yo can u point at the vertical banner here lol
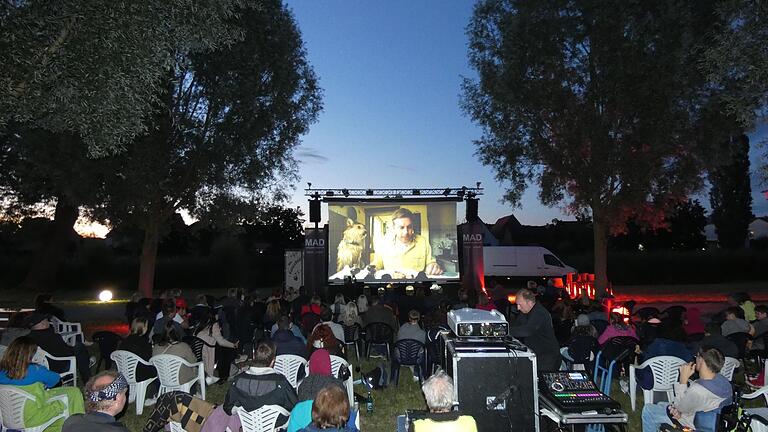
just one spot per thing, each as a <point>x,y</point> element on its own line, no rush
<point>472,255</point>
<point>315,259</point>
<point>294,273</point>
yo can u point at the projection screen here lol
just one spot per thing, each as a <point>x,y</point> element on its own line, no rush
<point>404,241</point>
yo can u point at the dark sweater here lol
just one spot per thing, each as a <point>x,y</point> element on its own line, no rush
<point>252,391</point>
<point>287,343</point>
<point>140,346</point>
<point>312,384</point>
<point>93,422</point>
<point>536,331</point>
<point>51,342</point>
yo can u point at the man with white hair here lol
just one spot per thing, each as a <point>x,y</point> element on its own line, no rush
<point>438,391</point>
<point>105,397</point>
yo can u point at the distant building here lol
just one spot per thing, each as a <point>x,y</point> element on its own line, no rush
<point>757,229</point>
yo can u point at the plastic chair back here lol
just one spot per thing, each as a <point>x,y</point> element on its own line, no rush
<point>729,367</point>
<point>379,333</point>
<point>336,364</point>
<point>263,419</point>
<point>290,366</point>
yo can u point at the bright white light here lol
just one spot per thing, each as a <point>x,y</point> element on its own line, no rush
<point>105,295</point>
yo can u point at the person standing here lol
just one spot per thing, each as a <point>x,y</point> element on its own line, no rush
<point>534,327</point>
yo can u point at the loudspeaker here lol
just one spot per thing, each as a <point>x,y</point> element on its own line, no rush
<point>482,372</point>
<point>314,210</point>
<point>471,209</point>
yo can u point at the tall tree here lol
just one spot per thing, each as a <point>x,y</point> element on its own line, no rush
<point>731,195</point>
<point>221,141</point>
<point>93,68</point>
<point>598,102</point>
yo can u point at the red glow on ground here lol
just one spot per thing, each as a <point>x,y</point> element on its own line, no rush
<point>680,297</point>
<point>120,328</point>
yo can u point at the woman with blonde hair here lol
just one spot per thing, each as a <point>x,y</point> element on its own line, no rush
<point>17,369</point>
<point>350,316</point>
<point>137,343</point>
<point>273,313</point>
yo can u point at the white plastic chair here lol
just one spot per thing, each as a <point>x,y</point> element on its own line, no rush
<point>665,371</point>
<point>756,425</point>
<point>263,419</point>
<point>12,400</point>
<point>69,331</point>
<point>126,363</point>
<point>336,363</point>
<point>168,367</point>
<point>69,376</point>
<point>289,365</point>
<point>729,367</point>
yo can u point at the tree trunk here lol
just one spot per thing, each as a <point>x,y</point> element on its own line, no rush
<point>45,265</point>
<point>600,235</point>
<point>149,258</point>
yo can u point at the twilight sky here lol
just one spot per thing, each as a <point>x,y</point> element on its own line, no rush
<point>391,73</point>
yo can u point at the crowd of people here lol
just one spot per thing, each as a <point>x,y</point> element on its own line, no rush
<point>242,335</point>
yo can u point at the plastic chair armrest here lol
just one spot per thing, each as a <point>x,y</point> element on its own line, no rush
<point>759,392</point>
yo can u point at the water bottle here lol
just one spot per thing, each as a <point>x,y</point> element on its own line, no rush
<point>369,402</point>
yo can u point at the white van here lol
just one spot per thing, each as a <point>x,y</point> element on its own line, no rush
<point>523,262</point>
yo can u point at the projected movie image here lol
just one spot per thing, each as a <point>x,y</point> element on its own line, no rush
<point>392,241</point>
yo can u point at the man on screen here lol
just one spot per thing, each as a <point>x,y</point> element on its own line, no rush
<point>406,251</point>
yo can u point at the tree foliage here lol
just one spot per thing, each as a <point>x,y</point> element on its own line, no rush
<point>600,103</point>
<point>220,143</point>
<point>731,195</point>
<point>94,68</point>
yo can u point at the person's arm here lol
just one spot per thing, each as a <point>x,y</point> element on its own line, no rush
<point>220,340</point>
<point>42,374</point>
<point>229,400</point>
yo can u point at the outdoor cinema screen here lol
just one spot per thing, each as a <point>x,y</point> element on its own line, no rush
<point>379,241</point>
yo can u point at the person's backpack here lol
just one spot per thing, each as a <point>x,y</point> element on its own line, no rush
<point>376,379</point>
<point>733,418</point>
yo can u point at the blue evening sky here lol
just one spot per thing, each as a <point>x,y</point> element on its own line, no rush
<point>391,74</point>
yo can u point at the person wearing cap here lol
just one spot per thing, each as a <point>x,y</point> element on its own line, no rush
<point>105,395</point>
<point>411,329</point>
<point>48,340</point>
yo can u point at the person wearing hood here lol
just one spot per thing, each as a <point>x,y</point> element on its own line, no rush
<point>710,392</point>
<point>286,341</point>
<point>693,323</point>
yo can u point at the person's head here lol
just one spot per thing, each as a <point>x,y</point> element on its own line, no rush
<point>42,299</point>
<point>316,300</point>
<point>201,299</point>
<point>672,329</point>
<point>339,299</point>
<point>709,361</point>
<point>350,314</point>
<point>284,323</point>
<point>139,326</point>
<point>175,292</point>
<point>273,309</point>
<point>525,300</point>
<point>264,355</point>
<point>320,363</point>
<point>761,312</point>
<point>330,408</point>
<point>713,329</point>
<point>18,356</point>
<point>463,295</point>
<point>169,307</point>
<point>169,335</point>
<point>734,312</point>
<point>106,392</point>
<point>438,392</point>
<point>617,320</point>
<point>321,337</point>
<point>531,285</point>
<point>414,316</point>
<point>325,314</point>
<point>38,321</point>
<point>17,320</point>
<point>402,225</point>
<point>582,320</point>
<point>135,297</point>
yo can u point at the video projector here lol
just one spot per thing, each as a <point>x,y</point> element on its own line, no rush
<point>476,323</point>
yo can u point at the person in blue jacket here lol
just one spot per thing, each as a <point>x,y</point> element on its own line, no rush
<point>16,367</point>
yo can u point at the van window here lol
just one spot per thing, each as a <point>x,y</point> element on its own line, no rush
<point>552,260</point>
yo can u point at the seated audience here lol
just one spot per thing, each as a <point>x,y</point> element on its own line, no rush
<point>169,342</point>
<point>194,414</point>
<point>15,327</point>
<point>743,302</point>
<point>106,396</point>
<point>714,339</point>
<point>711,391</point>
<point>136,342</point>
<point>169,315</point>
<point>326,317</point>
<point>313,306</point>
<point>286,341</point>
<point>378,313</point>
<point>199,311</point>
<point>648,328</point>
<point>209,331</point>
<point>438,392</point>
<point>338,306</point>
<point>297,303</point>
<point>670,342</point>
<point>329,411</point>
<point>734,324</point>
<point>411,329</point>
<point>260,384</point>
<point>44,305</point>
<point>272,314</point>
<point>362,304</point>
<point>323,337</point>
<point>319,376</point>
<point>17,369</point>
<point>616,328</point>
<point>693,323</point>
<point>761,327</point>
<point>294,328</point>
<point>350,316</point>
<point>48,340</point>
<point>582,347</point>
